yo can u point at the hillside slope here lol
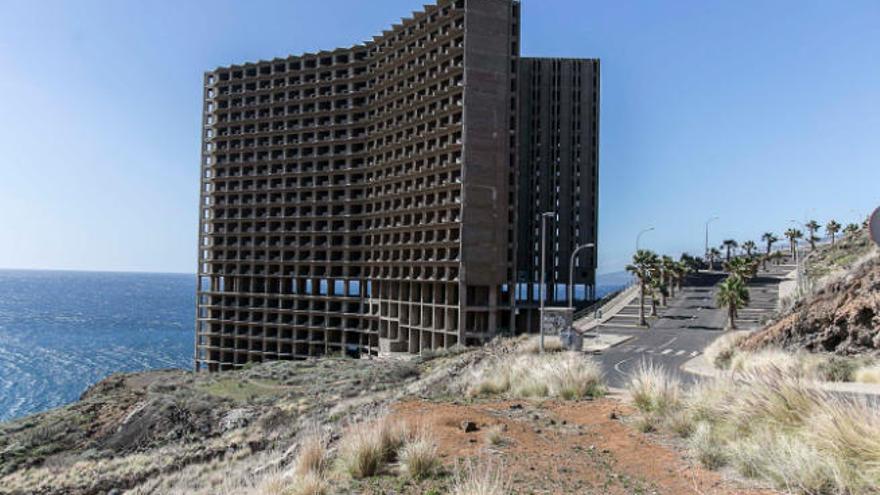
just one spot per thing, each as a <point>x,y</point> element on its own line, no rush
<point>242,432</point>
<point>842,315</point>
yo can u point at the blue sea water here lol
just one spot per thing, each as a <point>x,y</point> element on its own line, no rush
<point>61,332</point>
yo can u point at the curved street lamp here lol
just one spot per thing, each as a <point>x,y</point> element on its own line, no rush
<point>571,272</point>
<point>639,237</point>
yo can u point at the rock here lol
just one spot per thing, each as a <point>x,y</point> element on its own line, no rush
<point>468,426</point>
<point>236,418</point>
<point>613,414</point>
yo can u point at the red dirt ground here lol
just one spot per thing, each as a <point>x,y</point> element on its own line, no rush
<point>566,447</point>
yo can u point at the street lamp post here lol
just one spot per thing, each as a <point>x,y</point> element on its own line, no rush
<point>571,273</point>
<point>542,289</point>
<point>639,237</point>
<point>706,250</point>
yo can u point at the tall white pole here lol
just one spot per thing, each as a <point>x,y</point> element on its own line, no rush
<point>706,250</point>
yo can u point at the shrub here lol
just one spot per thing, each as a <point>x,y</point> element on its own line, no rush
<point>837,369</point>
<point>480,479</point>
<point>418,455</point>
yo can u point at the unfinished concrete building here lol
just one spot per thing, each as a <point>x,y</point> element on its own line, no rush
<point>558,156</point>
<point>364,199</point>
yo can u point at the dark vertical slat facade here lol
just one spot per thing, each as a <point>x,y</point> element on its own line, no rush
<point>559,163</point>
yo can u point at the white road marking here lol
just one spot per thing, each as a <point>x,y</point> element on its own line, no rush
<point>694,354</point>
<point>667,351</point>
<point>617,366</point>
<point>679,353</point>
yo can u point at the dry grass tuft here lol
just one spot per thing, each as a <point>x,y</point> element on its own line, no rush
<point>480,479</point>
<point>868,374</point>
<point>657,396</point>
<point>567,375</point>
<point>418,455</point>
<point>495,435</point>
<point>312,456</point>
<point>721,351</point>
<point>848,430</point>
<point>706,446</point>
<point>770,425</point>
<point>552,343</point>
<point>367,447</point>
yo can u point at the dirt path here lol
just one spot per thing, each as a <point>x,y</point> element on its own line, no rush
<point>566,447</point>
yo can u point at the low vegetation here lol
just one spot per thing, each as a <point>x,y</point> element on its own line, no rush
<point>367,447</point>
<point>418,455</point>
<point>480,478</point>
<point>565,375</point>
<point>768,425</point>
<point>725,354</point>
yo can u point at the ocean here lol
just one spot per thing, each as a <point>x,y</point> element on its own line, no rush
<point>61,332</point>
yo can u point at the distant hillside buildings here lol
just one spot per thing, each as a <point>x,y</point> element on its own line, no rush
<point>387,196</point>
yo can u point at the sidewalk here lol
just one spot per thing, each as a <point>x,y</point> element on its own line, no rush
<point>608,311</point>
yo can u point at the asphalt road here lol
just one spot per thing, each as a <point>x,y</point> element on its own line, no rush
<point>689,323</point>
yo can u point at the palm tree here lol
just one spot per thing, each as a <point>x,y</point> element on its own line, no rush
<point>832,228</point>
<point>713,254</point>
<point>667,273</point>
<point>658,287</point>
<point>729,244</point>
<point>749,246</point>
<point>742,268</point>
<point>769,238</point>
<point>642,267</point>
<point>813,226</point>
<point>732,294</point>
<point>682,269</point>
<point>690,263</point>
<point>851,229</point>
<point>793,235</point>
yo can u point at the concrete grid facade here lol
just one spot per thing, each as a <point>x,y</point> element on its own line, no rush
<point>364,199</point>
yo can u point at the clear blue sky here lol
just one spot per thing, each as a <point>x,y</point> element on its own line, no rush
<point>757,111</point>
